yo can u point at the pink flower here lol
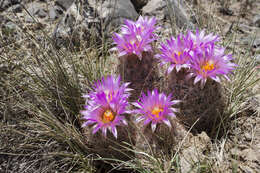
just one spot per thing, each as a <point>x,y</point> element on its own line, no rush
<point>200,40</point>
<point>135,37</point>
<point>106,105</point>
<point>176,52</point>
<point>211,63</point>
<point>155,108</point>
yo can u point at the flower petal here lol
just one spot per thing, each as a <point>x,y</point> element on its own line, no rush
<point>114,131</point>
<point>153,125</point>
<point>167,122</point>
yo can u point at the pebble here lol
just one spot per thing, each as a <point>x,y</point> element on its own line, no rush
<point>16,8</point>
<point>248,136</point>
<point>10,25</point>
<point>256,20</point>
<point>65,4</point>
<point>41,13</point>
<point>52,13</point>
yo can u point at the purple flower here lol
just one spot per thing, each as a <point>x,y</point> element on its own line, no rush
<point>176,52</point>
<point>155,108</point>
<point>106,89</point>
<point>106,105</point>
<point>200,40</point>
<point>211,63</point>
<point>146,25</point>
<point>135,37</point>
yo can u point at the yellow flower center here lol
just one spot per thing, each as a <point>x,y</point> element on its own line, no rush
<point>156,111</point>
<point>132,42</point>
<point>173,56</point>
<point>108,116</point>
<point>178,53</point>
<point>208,66</point>
<point>136,41</point>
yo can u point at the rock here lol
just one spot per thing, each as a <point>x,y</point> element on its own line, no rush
<point>248,136</point>
<point>11,26</point>
<point>258,58</point>
<point>256,20</point>
<point>4,4</point>
<point>113,12</point>
<point>226,11</point>
<point>41,13</point>
<point>29,19</point>
<point>251,155</point>
<point>168,9</point>
<point>35,9</point>
<point>138,4</point>
<point>52,13</point>
<point>77,26</point>
<point>65,4</point>
<point>16,8</point>
<point>193,151</point>
<point>83,19</point>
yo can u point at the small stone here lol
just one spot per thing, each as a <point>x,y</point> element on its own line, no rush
<point>258,58</point>
<point>41,13</point>
<point>29,19</point>
<point>34,8</point>
<point>16,8</point>
<point>226,11</point>
<point>248,136</point>
<point>8,3</point>
<point>196,146</point>
<point>10,25</point>
<point>52,13</point>
<point>113,12</point>
<point>59,10</point>
<point>65,4</point>
<point>256,20</point>
<point>251,155</point>
<point>138,4</point>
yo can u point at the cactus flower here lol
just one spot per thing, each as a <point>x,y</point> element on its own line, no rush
<point>155,108</point>
<point>106,105</point>
<point>211,63</point>
<point>176,52</point>
<point>135,37</point>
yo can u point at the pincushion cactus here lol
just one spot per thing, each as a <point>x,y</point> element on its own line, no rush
<point>201,61</point>
<point>105,110</point>
<point>156,110</point>
<point>134,44</point>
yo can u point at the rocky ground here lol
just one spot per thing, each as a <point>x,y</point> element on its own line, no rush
<point>73,24</point>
